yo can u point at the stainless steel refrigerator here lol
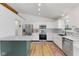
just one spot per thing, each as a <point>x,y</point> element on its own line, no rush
<point>27,29</point>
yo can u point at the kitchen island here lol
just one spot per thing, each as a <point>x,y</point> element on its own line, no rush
<point>17,41</point>
<point>30,47</point>
<point>35,37</point>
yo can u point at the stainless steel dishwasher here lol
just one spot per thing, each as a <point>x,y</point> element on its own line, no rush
<point>67,46</point>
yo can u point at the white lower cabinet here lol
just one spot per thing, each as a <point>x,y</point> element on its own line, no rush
<point>76,48</point>
<point>58,41</point>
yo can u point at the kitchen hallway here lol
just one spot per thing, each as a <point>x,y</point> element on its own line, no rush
<point>45,49</point>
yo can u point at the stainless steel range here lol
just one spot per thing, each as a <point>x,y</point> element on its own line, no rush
<point>42,34</point>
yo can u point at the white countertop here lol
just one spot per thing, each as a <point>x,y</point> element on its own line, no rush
<point>34,36</point>
<point>72,38</point>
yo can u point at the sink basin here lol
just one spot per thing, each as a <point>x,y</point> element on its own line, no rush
<point>61,34</point>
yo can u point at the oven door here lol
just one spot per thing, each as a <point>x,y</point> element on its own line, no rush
<point>42,37</point>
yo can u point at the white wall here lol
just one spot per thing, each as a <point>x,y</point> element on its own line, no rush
<point>8,25</point>
<point>61,23</point>
<point>74,17</point>
<point>0,48</point>
<point>7,22</point>
<point>36,21</point>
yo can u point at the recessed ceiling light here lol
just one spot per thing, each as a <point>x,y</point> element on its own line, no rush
<point>38,13</point>
<point>38,9</point>
<point>39,4</point>
<point>67,20</point>
<point>63,15</point>
<point>67,16</point>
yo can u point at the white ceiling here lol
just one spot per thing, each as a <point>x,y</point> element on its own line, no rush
<point>49,10</point>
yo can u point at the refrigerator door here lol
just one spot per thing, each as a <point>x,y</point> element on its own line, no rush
<point>27,29</point>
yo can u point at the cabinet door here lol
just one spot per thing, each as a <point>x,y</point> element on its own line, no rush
<point>67,46</point>
<point>58,41</point>
<point>6,48</point>
<point>19,48</point>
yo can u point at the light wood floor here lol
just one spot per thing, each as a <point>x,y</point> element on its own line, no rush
<point>45,49</point>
